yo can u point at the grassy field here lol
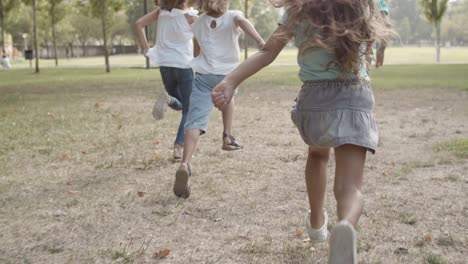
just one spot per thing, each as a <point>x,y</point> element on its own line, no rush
<point>394,55</point>
<point>388,77</point>
<point>86,173</point>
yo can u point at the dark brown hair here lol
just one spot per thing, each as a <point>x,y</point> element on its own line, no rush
<point>340,26</point>
<point>170,4</point>
<point>216,6</point>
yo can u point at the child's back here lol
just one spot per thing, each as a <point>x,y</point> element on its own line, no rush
<point>218,40</point>
<point>333,109</point>
<point>174,46</point>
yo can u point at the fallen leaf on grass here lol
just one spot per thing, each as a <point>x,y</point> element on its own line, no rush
<point>65,157</point>
<point>427,238</point>
<point>97,105</point>
<point>163,253</point>
<point>141,194</point>
<point>298,232</point>
<point>156,156</point>
<point>69,182</point>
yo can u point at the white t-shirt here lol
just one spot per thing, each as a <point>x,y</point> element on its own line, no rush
<point>219,46</point>
<point>174,44</point>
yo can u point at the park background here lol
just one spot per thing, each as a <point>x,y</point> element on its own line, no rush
<point>86,174</point>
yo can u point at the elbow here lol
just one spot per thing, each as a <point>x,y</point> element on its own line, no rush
<point>138,25</point>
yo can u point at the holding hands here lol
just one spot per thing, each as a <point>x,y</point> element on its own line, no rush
<point>222,94</point>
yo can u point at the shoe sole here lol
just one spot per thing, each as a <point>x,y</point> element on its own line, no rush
<point>158,108</point>
<point>343,245</point>
<point>230,148</point>
<point>181,187</point>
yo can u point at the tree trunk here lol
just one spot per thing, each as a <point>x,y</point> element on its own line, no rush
<point>246,47</point>
<point>36,51</point>
<point>54,41</point>
<point>438,41</point>
<point>2,21</point>
<point>104,34</point>
<point>145,11</point>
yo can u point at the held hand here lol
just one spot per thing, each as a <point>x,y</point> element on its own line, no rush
<point>222,95</point>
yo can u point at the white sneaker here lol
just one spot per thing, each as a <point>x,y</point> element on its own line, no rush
<point>343,247</point>
<point>317,235</point>
<point>160,106</point>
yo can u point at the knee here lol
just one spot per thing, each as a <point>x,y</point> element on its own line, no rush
<point>319,155</point>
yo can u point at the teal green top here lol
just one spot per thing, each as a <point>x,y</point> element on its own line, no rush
<point>382,4</point>
<point>316,64</point>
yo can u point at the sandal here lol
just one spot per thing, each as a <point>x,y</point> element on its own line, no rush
<point>232,145</point>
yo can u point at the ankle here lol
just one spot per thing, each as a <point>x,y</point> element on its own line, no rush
<point>317,221</point>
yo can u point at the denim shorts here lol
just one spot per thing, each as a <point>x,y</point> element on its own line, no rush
<point>200,101</point>
<point>330,113</point>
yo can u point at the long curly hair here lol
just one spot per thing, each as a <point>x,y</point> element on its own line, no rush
<point>340,26</point>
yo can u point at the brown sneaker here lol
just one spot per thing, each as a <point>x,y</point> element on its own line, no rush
<point>178,151</point>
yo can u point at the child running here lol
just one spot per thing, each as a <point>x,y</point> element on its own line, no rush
<point>173,53</point>
<point>216,37</point>
<point>333,108</point>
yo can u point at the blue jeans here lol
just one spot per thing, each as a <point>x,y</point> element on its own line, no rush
<point>178,84</point>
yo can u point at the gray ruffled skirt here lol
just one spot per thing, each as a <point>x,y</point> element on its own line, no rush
<point>330,113</point>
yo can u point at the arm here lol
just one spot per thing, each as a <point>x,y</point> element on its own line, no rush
<point>141,23</point>
<point>249,29</point>
<point>379,58</point>
<point>222,93</point>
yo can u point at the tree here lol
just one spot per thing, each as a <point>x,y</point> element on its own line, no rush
<point>403,12</point>
<point>261,14</point>
<point>85,26</point>
<point>135,9</point>
<point>35,35</point>
<point>454,29</point>
<point>5,7</point>
<point>57,12</point>
<point>434,11</point>
<point>405,30</point>
<point>105,9</point>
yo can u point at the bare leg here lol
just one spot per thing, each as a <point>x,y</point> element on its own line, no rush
<point>316,181</point>
<point>228,114</point>
<point>348,181</point>
<point>192,137</point>
<point>181,182</point>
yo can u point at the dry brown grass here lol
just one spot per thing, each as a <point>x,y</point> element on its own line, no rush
<point>71,173</point>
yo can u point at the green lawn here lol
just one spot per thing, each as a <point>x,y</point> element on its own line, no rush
<point>394,55</point>
<point>402,55</point>
<point>388,77</point>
